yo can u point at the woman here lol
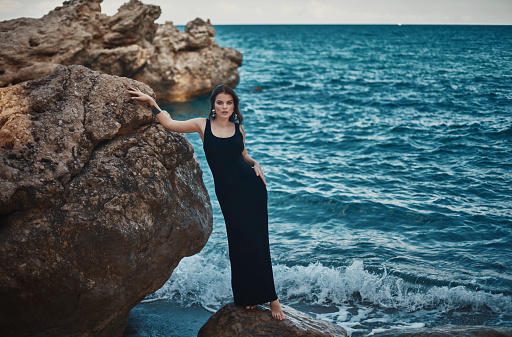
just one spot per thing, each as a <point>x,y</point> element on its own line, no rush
<point>241,190</point>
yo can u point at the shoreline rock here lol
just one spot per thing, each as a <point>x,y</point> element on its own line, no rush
<point>179,66</point>
<point>98,204</point>
<point>450,331</point>
<point>235,321</point>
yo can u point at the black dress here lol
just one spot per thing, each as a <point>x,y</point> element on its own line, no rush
<point>243,199</point>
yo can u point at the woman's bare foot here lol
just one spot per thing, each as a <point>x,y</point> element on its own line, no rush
<point>250,307</point>
<point>276,311</point>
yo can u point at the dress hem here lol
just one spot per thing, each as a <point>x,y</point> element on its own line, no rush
<point>259,302</point>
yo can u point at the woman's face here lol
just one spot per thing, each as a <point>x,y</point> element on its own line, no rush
<point>224,105</point>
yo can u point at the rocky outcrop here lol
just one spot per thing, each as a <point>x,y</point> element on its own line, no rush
<point>98,204</point>
<point>236,321</point>
<point>188,64</point>
<point>179,66</point>
<point>450,331</point>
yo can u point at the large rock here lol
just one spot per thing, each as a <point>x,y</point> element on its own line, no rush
<point>189,64</point>
<point>179,66</point>
<point>236,321</point>
<point>98,204</point>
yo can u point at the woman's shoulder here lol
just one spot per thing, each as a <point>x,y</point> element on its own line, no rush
<point>200,123</point>
<point>201,120</point>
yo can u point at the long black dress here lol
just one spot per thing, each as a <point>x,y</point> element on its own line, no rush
<point>243,199</point>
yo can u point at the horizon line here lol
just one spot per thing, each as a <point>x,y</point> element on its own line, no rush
<point>352,24</point>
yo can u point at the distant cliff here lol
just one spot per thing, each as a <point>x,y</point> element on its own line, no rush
<point>98,204</point>
<point>179,66</point>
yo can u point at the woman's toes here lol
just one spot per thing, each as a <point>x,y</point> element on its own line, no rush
<point>276,310</point>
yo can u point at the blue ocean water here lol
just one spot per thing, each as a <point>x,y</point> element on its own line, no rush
<point>387,152</point>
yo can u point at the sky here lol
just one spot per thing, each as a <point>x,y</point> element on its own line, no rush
<point>493,12</point>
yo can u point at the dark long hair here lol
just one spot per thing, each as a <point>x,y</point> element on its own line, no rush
<point>224,89</point>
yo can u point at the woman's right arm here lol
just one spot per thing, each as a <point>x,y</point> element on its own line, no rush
<point>188,126</point>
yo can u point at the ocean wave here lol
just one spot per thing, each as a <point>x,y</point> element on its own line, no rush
<point>205,280</point>
<point>321,285</point>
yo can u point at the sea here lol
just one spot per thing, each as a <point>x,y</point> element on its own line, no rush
<point>387,151</point>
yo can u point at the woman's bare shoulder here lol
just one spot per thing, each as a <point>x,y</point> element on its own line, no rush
<point>201,124</point>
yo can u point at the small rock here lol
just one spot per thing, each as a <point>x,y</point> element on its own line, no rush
<point>235,321</point>
<point>450,331</point>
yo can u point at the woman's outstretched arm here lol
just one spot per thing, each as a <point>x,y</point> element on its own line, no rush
<point>188,126</point>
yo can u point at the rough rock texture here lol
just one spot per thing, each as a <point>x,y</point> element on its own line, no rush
<point>235,321</point>
<point>451,331</point>
<point>98,204</point>
<point>179,66</point>
<point>189,64</point>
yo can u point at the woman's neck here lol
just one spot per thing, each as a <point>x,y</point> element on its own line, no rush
<point>222,122</point>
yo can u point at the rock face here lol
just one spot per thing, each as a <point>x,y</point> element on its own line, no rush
<point>98,204</point>
<point>235,321</point>
<point>179,66</point>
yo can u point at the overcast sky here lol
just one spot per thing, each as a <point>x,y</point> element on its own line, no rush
<point>300,11</point>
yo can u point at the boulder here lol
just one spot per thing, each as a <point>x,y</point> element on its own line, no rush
<point>179,66</point>
<point>235,321</point>
<point>98,204</point>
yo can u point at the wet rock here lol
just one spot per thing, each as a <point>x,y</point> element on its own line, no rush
<point>235,321</point>
<point>98,204</point>
<point>179,66</point>
<point>451,331</point>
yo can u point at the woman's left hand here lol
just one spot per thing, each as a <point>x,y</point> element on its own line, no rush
<point>259,172</point>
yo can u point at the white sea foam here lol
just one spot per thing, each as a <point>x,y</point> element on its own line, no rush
<point>398,327</point>
<point>204,279</point>
<point>198,280</point>
<point>320,285</point>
